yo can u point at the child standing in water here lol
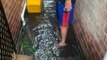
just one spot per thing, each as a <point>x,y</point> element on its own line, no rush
<point>65,12</point>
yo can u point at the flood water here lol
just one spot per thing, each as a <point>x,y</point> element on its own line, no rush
<point>44,32</point>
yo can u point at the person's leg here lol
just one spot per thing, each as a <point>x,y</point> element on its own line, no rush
<point>63,19</point>
<point>63,30</point>
<point>64,26</point>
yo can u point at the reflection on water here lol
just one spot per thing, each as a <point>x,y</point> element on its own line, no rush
<point>45,41</point>
<point>47,36</point>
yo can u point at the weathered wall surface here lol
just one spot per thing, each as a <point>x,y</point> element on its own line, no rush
<point>90,24</point>
<point>13,9</point>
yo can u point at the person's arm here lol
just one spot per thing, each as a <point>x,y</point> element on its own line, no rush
<point>68,5</point>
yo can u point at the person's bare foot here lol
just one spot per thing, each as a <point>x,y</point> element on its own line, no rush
<point>61,45</point>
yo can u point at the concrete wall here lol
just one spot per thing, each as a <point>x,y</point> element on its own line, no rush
<point>13,9</point>
<point>90,24</point>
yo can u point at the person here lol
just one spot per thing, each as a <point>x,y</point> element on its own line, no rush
<point>65,12</point>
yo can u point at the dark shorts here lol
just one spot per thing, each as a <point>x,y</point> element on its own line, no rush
<point>64,18</point>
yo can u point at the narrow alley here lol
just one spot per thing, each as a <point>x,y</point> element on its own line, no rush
<point>33,36</point>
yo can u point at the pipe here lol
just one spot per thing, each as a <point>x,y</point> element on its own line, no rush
<point>22,15</point>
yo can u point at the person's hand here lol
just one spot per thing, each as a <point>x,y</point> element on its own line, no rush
<point>68,5</point>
